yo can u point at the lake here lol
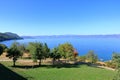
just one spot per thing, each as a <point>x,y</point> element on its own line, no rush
<point>103,47</point>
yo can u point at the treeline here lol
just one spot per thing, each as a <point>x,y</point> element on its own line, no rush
<point>39,51</point>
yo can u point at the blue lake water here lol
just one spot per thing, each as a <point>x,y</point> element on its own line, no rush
<point>103,47</point>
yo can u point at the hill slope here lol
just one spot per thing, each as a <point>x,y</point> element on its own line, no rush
<point>8,36</point>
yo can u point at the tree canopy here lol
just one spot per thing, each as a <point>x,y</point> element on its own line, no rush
<point>66,50</point>
<point>2,48</point>
<point>55,54</point>
<point>91,57</point>
<point>116,59</point>
<point>14,52</point>
<point>38,51</point>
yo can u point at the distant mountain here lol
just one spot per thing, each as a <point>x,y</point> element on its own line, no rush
<point>78,36</point>
<point>28,37</point>
<point>9,36</point>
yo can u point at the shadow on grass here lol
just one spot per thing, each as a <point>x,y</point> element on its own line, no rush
<point>65,65</point>
<point>48,66</point>
<point>7,74</point>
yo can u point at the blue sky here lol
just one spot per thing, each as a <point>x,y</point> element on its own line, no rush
<point>59,17</point>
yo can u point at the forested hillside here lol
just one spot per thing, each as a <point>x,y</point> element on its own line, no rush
<point>8,36</point>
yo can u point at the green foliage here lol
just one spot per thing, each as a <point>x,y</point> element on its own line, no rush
<point>116,59</point>
<point>14,52</point>
<point>91,57</point>
<point>81,58</point>
<point>31,48</point>
<point>40,51</point>
<point>55,54</point>
<point>36,49</point>
<point>2,48</point>
<point>110,64</point>
<point>22,49</point>
<point>117,76</point>
<point>66,50</point>
<point>46,51</point>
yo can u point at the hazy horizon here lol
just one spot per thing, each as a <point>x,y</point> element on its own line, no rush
<point>76,35</point>
<point>60,17</point>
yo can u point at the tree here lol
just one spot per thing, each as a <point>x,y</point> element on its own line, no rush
<point>22,49</point>
<point>116,60</point>
<point>55,54</point>
<point>66,50</point>
<point>75,54</point>
<point>36,49</point>
<point>82,58</point>
<point>14,52</point>
<point>2,48</point>
<point>91,57</point>
<point>46,51</point>
<point>109,64</point>
<point>117,76</point>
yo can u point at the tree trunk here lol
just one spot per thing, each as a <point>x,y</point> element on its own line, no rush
<point>65,60</point>
<point>39,62</point>
<point>13,63</point>
<point>53,61</point>
<point>14,60</point>
<point>59,61</point>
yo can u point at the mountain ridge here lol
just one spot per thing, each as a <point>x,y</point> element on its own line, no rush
<point>83,36</point>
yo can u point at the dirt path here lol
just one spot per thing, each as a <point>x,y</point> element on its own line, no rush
<point>106,68</point>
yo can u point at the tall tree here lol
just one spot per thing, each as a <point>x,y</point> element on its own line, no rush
<point>22,49</point>
<point>14,52</point>
<point>2,48</point>
<point>36,49</point>
<point>91,57</point>
<point>66,50</point>
<point>46,50</point>
<point>32,49</point>
<point>55,54</point>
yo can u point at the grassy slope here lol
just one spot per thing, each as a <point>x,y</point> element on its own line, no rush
<point>82,72</point>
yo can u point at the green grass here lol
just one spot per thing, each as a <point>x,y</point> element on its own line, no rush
<point>81,72</point>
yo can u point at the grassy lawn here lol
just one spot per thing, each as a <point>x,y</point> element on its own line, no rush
<point>80,72</point>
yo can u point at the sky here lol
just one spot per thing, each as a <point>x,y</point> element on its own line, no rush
<point>60,17</point>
